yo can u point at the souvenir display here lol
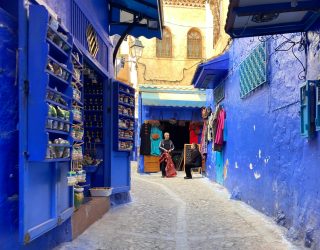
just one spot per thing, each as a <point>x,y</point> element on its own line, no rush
<point>124,139</point>
<point>93,113</point>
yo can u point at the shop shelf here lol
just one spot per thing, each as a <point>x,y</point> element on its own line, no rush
<point>77,121</point>
<point>56,79</point>
<point>58,160</point>
<point>59,93</point>
<point>57,104</point>
<point>78,102</point>
<point>127,116</point>
<point>77,62</point>
<point>124,92</point>
<point>56,52</point>
<point>60,132</point>
<point>60,64</point>
<point>124,150</point>
<point>125,139</point>
<point>79,84</point>
<point>78,141</point>
<point>57,33</point>
<point>126,128</point>
<point>59,120</point>
<point>60,145</point>
<point>75,79</point>
<point>126,104</point>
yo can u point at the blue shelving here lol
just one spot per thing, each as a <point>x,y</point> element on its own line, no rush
<point>51,29</point>
<point>126,116</point>
<point>122,92</point>
<point>50,69</point>
<point>57,104</point>
<point>78,102</point>
<point>56,80</point>
<point>56,52</point>
<point>57,132</point>
<point>58,160</point>
<point>127,93</point>
<point>126,104</point>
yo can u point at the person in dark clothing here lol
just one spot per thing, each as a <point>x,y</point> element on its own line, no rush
<point>195,160</point>
<point>166,145</point>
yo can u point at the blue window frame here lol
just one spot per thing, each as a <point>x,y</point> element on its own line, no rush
<point>318,106</point>
<point>308,108</point>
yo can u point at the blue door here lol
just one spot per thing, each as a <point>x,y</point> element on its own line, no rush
<point>45,199</point>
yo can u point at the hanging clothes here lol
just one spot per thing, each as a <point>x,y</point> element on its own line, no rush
<point>219,133</point>
<point>204,141</point>
<point>145,146</point>
<point>155,137</point>
<point>194,131</point>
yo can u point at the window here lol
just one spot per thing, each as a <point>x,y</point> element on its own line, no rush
<point>194,44</point>
<point>216,8</point>
<point>164,46</point>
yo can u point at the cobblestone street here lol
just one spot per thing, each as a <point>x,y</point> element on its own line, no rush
<point>181,214</point>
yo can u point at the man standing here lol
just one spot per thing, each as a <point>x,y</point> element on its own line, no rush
<point>166,146</point>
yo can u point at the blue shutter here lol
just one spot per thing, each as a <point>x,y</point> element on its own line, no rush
<point>318,106</point>
<point>307,108</point>
<point>304,110</point>
<point>44,196</point>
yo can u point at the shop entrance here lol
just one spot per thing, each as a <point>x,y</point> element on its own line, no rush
<point>179,134</point>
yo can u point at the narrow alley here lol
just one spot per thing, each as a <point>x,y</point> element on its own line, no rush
<point>181,214</point>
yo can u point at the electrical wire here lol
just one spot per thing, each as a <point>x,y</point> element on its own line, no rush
<point>167,81</point>
<point>189,26</point>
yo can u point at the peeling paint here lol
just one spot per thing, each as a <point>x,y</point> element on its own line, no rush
<point>259,153</point>
<point>257,175</point>
<point>251,166</point>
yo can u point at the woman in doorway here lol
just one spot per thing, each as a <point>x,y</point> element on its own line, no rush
<point>195,160</point>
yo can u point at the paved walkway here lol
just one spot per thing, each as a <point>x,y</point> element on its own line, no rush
<point>181,214</point>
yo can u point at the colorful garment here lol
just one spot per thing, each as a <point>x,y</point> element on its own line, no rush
<point>194,131</point>
<point>170,169</point>
<point>218,141</point>
<point>155,137</point>
<point>204,141</point>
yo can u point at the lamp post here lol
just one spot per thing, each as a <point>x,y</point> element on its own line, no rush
<point>136,49</point>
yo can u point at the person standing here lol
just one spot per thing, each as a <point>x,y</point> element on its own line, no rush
<point>166,146</point>
<point>195,160</point>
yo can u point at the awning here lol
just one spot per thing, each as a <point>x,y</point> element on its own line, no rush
<point>267,17</point>
<point>208,75</point>
<point>136,18</point>
<point>173,100</point>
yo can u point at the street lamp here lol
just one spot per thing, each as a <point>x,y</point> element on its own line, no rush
<point>137,48</point>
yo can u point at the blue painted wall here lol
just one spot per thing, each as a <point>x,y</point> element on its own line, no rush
<point>269,165</point>
<point>8,129</point>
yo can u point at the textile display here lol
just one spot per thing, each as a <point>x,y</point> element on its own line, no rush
<point>170,169</point>
<point>155,137</point>
<point>145,146</point>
